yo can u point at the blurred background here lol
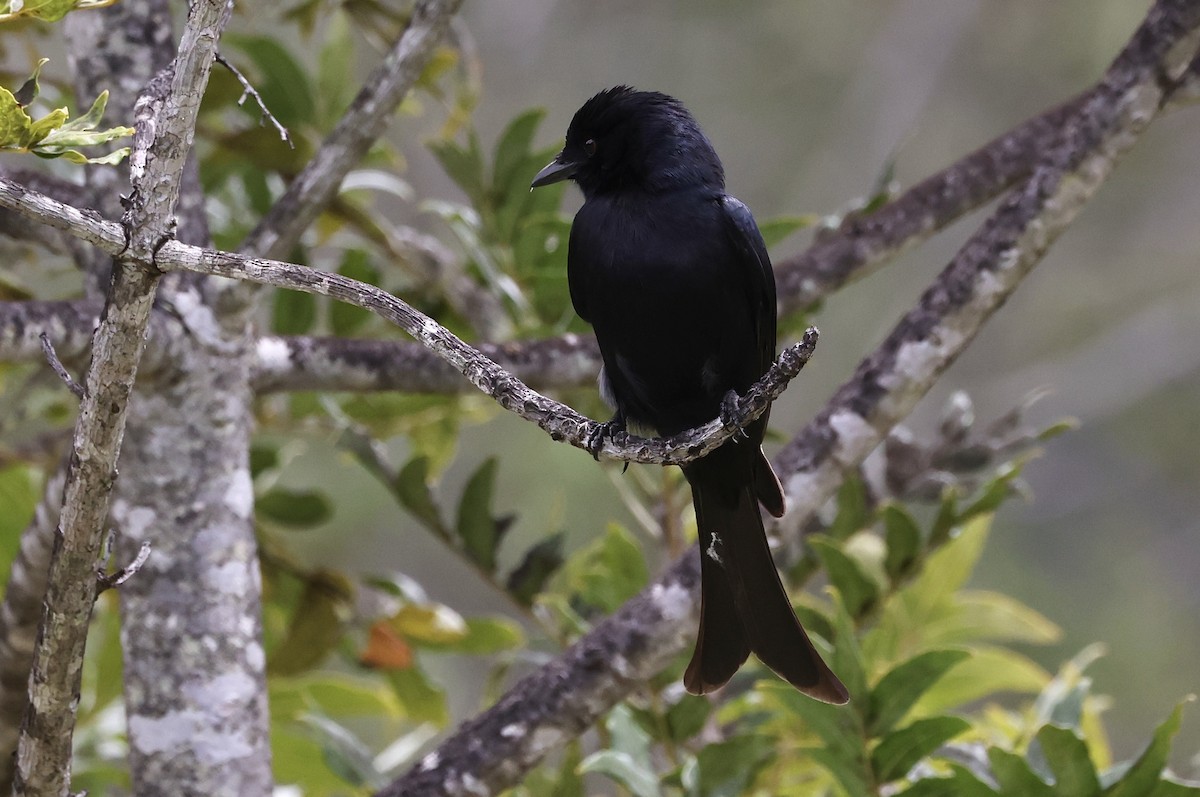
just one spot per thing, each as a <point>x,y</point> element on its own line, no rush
<point>806,101</point>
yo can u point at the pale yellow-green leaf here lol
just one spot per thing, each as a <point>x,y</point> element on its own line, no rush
<point>989,670</point>
<point>14,122</point>
<point>338,695</point>
<point>49,10</point>
<point>75,156</point>
<point>44,127</point>
<point>83,138</point>
<point>983,615</point>
<point>433,622</point>
<point>91,119</point>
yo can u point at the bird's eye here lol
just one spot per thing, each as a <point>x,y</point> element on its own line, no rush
<point>589,147</point>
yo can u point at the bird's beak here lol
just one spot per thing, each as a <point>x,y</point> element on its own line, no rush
<point>555,171</point>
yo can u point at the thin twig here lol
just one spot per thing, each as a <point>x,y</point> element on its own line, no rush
<point>56,364</point>
<point>248,90</point>
<point>121,575</point>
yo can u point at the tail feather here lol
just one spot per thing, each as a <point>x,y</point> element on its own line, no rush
<point>744,606</point>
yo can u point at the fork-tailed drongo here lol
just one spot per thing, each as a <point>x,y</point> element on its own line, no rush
<point>673,274</point>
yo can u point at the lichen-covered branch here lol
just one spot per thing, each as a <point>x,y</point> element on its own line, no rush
<point>559,421</point>
<point>44,749</point>
<point>360,364</point>
<point>557,701</point>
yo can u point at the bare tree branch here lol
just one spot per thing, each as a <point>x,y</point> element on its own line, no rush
<point>251,93</point>
<point>561,422</point>
<point>57,366</point>
<point>312,363</point>
<point>564,697</point>
<point>357,130</point>
<point>44,749</point>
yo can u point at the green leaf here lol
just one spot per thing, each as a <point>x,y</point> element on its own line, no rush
<point>904,684</point>
<point>994,493</point>
<point>346,319</point>
<point>422,700</point>
<point>622,769</point>
<point>315,627</point>
<point>263,457</point>
<point>849,772</point>
<point>300,509</point>
<point>46,10</point>
<point>333,694</point>
<point>484,636</point>
<point>947,569</point>
<point>335,69</point>
<point>429,624</point>
<point>847,658</point>
<point>479,531</point>
<point>293,312</point>
<point>412,491</point>
<point>512,150</point>
<point>607,572</point>
<point>1170,786</point>
<point>628,760</point>
<point>343,752</point>
<point>1142,777</point>
<point>18,497</point>
<point>463,165</point>
<point>988,671</point>
<point>42,128</point>
<point>980,615</point>
<point>14,122</point>
<point>947,518</point>
<point>686,718</point>
<point>961,783</point>
<point>899,751</point>
<point>77,157</point>
<point>298,758</point>
<point>859,591</point>
<point>82,132</point>
<point>833,724</point>
<point>728,768</point>
<point>903,538</point>
<point>1067,755</point>
<point>1015,777</point>
<point>853,512</point>
<point>74,156</point>
<point>539,563</point>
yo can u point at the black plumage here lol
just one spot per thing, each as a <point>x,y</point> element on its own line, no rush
<point>674,276</point>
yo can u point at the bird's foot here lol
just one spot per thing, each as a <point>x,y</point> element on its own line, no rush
<point>730,412</point>
<point>604,431</point>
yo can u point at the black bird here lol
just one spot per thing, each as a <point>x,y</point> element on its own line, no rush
<point>673,274</point>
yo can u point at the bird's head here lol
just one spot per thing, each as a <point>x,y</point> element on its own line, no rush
<point>623,139</point>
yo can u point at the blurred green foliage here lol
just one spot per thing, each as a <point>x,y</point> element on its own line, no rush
<point>943,700</point>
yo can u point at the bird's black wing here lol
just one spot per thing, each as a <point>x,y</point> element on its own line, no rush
<point>760,276</point>
<point>760,294</point>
